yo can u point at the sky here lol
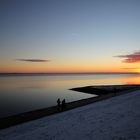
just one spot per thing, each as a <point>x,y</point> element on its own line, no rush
<point>69,36</point>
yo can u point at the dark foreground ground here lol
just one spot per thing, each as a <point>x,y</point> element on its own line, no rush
<point>103,92</point>
<point>117,118</point>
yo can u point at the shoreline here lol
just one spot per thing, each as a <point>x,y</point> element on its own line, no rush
<point>36,114</point>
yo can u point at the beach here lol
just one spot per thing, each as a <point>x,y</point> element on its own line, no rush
<point>101,92</point>
<point>115,118</point>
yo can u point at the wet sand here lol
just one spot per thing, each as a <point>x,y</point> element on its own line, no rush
<point>32,115</point>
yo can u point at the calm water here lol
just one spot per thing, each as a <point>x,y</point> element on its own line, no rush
<point>25,93</point>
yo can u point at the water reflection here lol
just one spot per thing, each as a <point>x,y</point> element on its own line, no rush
<point>133,79</point>
<point>24,93</point>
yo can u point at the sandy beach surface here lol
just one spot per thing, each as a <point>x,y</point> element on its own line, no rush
<point>116,118</point>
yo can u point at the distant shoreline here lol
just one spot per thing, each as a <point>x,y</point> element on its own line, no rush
<point>77,73</point>
<point>32,115</point>
<point>102,90</point>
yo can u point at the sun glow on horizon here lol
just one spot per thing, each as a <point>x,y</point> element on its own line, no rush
<point>137,70</point>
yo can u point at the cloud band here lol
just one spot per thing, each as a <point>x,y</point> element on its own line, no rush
<point>131,58</point>
<point>33,60</point>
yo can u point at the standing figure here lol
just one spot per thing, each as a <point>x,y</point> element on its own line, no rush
<point>58,104</point>
<point>63,105</point>
<point>115,91</point>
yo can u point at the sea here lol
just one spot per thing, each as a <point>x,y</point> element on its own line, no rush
<point>21,93</point>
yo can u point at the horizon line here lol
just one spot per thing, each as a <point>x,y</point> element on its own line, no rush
<point>4,73</point>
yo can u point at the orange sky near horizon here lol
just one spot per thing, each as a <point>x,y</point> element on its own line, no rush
<point>101,64</point>
<point>38,68</point>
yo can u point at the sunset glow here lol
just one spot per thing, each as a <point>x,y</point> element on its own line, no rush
<point>70,36</point>
<point>138,70</point>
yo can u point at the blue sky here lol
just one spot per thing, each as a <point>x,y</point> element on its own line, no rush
<point>69,33</point>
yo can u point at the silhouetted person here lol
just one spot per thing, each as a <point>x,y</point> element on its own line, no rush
<point>115,91</point>
<point>58,104</point>
<point>63,105</point>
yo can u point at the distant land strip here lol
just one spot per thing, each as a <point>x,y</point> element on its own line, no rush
<point>64,73</point>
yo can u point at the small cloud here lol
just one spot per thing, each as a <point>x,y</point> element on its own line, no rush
<point>130,68</point>
<point>131,58</point>
<point>33,60</point>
